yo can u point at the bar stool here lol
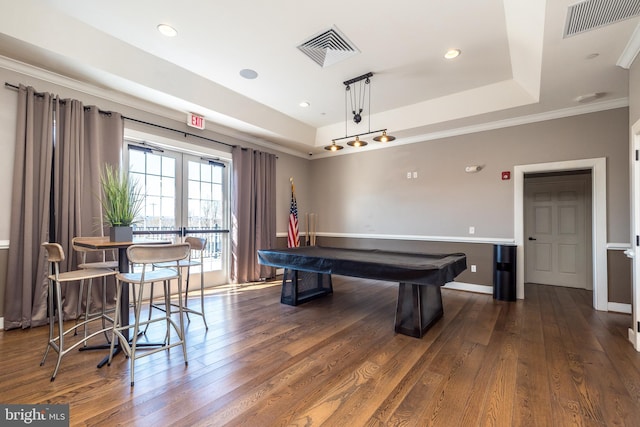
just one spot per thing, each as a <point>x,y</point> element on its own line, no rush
<point>55,255</point>
<point>113,265</point>
<point>198,246</point>
<point>146,256</point>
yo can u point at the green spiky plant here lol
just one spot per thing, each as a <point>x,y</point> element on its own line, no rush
<point>121,198</point>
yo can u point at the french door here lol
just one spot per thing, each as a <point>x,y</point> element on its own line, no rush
<point>184,195</point>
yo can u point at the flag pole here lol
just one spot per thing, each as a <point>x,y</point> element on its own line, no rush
<point>306,236</point>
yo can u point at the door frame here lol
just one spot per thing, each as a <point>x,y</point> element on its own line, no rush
<point>185,148</point>
<point>633,251</point>
<point>598,167</point>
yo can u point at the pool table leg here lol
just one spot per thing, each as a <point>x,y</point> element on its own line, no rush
<point>301,286</point>
<point>418,308</point>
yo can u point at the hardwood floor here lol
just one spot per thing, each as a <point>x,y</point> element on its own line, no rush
<point>550,360</point>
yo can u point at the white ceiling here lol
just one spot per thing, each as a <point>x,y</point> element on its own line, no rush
<point>514,62</point>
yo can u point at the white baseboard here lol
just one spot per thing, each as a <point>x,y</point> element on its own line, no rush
<point>1,323</point>
<point>619,307</point>
<point>633,337</point>
<point>469,287</point>
<point>458,286</point>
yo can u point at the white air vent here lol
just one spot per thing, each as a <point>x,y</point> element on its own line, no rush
<point>590,14</point>
<point>328,47</point>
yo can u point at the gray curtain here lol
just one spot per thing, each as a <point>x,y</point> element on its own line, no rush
<point>253,213</point>
<point>55,195</point>
<point>86,139</point>
<point>26,290</point>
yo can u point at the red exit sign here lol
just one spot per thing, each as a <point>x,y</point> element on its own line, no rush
<point>195,121</point>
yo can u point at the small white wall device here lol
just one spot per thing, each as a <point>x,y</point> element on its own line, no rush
<point>473,169</point>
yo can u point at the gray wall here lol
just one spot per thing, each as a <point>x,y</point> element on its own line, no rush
<point>363,197</point>
<point>368,192</point>
<point>619,277</point>
<point>297,168</point>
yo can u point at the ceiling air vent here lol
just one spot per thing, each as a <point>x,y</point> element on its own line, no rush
<point>328,47</point>
<point>590,14</point>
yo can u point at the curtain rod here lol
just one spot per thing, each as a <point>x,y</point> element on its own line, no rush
<point>9,85</point>
<point>177,131</point>
<point>61,101</point>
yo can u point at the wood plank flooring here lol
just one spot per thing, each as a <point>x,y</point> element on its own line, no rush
<point>550,360</point>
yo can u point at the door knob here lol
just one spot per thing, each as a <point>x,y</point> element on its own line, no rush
<point>532,238</point>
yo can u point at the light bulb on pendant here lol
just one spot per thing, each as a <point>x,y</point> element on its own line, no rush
<point>357,143</point>
<point>333,147</point>
<point>384,137</point>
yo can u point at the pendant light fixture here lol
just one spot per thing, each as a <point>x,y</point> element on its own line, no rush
<point>384,137</point>
<point>357,142</point>
<point>333,147</point>
<point>357,96</point>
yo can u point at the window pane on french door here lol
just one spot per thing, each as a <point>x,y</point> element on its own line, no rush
<point>205,207</point>
<point>156,176</point>
<point>204,196</point>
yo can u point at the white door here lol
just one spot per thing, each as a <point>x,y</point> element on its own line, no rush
<point>557,244</point>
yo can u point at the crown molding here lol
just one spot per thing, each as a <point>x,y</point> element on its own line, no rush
<point>138,104</point>
<point>523,120</point>
<point>498,124</point>
<point>630,51</point>
<point>133,102</point>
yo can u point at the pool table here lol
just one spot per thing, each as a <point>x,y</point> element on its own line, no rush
<point>308,270</point>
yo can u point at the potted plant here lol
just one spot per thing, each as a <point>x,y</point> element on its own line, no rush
<point>121,203</point>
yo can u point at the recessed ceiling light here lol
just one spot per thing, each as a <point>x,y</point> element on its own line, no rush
<point>452,53</point>
<point>248,73</point>
<point>304,104</point>
<point>167,30</point>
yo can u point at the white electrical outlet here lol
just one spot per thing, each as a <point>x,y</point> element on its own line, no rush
<point>415,175</point>
<point>408,175</point>
<point>473,268</point>
<point>472,230</point>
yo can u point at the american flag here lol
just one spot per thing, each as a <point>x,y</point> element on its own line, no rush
<point>293,239</point>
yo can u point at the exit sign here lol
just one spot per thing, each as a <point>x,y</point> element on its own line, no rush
<point>195,121</point>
